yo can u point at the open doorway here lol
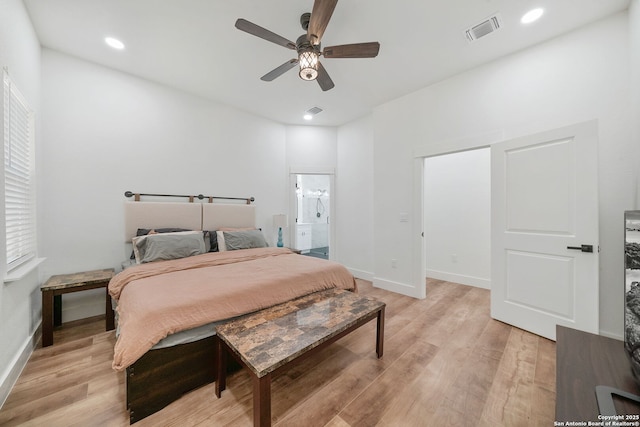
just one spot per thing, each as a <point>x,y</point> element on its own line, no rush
<point>457,217</point>
<point>544,228</point>
<point>312,214</point>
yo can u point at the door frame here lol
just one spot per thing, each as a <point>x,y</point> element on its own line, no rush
<point>449,147</point>
<point>419,270</point>
<point>301,170</point>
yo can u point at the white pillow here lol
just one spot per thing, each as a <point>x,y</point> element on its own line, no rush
<point>222,247</point>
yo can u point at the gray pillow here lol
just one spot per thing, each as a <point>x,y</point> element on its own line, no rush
<point>165,246</point>
<point>245,239</point>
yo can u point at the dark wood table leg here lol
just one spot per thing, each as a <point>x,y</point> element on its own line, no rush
<point>262,401</point>
<point>221,368</point>
<point>47,318</point>
<point>380,335</point>
<point>109,314</point>
<point>57,310</point>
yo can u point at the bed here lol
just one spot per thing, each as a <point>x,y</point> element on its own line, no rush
<point>168,308</point>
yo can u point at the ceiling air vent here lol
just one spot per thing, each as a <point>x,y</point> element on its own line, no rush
<point>485,27</point>
<point>314,110</point>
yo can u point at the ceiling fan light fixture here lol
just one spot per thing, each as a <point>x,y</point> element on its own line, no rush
<point>308,61</point>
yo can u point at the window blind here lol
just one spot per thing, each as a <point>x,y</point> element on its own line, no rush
<point>19,201</point>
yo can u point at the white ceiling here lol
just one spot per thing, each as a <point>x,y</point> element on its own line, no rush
<point>193,45</point>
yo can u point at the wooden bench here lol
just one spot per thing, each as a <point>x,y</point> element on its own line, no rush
<point>271,340</point>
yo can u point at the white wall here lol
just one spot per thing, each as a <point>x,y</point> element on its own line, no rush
<point>354,198</point>
<point>310,149</point>
<point>19,301</point>
<point>634,45</point>
<point>457,224</point>
<point>108,132</point>
<point>580,76</point>
<point>347,151</point>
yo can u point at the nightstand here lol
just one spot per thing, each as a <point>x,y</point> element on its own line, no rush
<point>67,283</point>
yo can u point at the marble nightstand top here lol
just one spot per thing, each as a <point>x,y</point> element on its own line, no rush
<point>64,281</point>
<point>270,338</point>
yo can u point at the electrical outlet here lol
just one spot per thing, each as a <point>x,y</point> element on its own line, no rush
<point>394,263</point>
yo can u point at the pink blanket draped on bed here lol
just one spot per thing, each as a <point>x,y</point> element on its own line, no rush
<point>162,298</point>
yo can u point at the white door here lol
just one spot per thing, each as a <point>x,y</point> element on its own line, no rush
<point>544,202</point>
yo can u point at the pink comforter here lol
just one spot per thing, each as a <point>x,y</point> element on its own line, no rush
<point>162,298</point>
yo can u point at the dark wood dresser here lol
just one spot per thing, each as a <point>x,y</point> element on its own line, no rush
<point>583,361</point>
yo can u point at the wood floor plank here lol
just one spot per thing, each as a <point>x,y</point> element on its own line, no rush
<point>291,394</point>
<point>546,364</point>
<point>511,395</point>
<point>41,407</point>
<point>371,404</point>
<point>49,382</point>
<point>337,422</point>
<point>446,363</point>
<point>350,383</point>
<point>494,339</point>
<point>417,402</point>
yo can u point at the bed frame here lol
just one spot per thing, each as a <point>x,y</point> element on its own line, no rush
<point>162,376</point>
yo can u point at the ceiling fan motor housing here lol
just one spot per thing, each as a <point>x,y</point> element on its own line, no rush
<point>304,20</point>
<point>303,44</point>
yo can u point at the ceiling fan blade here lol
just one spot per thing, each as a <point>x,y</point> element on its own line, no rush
<point>263,33</point>
<point>356,50</point>
<point>323,78</point>
<point>320,16</point>
<point>277,72</point>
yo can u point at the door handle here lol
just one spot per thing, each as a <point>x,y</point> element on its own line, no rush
<point>583,248</point>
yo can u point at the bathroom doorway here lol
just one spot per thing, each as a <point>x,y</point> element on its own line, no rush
<point>312,234</point>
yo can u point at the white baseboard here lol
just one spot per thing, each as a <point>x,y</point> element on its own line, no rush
<point>360,274</point>
<point>400,288</point>
<point>13,371</point>
<point>478,282</point>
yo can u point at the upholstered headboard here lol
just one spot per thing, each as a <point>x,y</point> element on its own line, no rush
<point>215,216</point>
<point>191,216</point>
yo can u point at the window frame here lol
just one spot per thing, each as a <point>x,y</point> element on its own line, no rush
<point>18,176</point>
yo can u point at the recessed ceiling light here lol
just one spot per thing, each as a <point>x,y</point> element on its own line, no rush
<point>532,16</point>
<point>114,43</point>
<point>308,116</point>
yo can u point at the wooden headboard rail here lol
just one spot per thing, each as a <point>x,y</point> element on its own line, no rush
<point>137,196</point>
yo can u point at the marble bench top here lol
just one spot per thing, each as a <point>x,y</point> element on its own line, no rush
<point>270,338</point>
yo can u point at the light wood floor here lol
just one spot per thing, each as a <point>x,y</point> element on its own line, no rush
<point>446,363</point>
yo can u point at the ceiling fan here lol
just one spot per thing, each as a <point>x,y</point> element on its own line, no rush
<point>308,45</point>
